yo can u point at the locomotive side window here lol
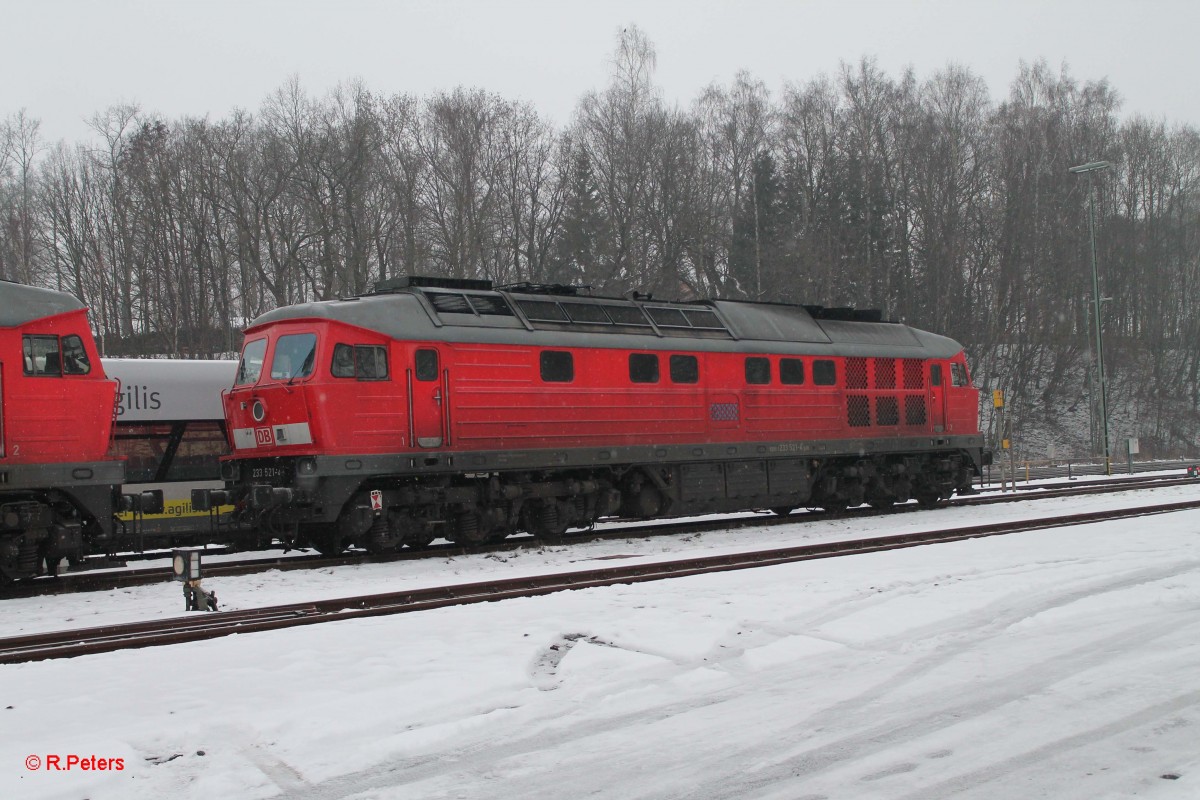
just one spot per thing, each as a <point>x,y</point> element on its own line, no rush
<point>295,355</point>
<point>75,357</point>
<point>363,361</point>
<point>252,362</point>
<point>557,366</point>
<point>643,368</point>
<point>370,363</point>
<point>426,363</point>
<point>685,369</point>
<point>824,372</point>
<point>41,356</point>
<point>791,371</point>
<point>935,375</point>
<point>758,370</point>
<point>343,361</point>
<point>958,375</point>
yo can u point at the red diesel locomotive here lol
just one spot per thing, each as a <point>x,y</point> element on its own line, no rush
<point>446,408</point>
<point>58,485</point>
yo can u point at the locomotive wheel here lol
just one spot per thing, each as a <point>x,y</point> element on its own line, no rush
<point>328,542</point>
<point>547,521</point>
<point>469,529</point>
<point>880,500</point>
<point>928,498</point>
<point>782,511</point>
<point>419,542</point>
<point>498,535</point>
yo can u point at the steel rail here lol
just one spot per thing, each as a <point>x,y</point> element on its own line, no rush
<point>85,641</point>
<point>97,581</point>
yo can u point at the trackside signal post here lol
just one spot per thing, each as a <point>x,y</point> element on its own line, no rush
<point>1004,429</point>
<point>185,563</point>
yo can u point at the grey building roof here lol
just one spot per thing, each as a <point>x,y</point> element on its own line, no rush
<point>20,304</point>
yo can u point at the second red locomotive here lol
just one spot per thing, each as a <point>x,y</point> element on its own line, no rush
<point>58,484</point>
<point>446,408</point>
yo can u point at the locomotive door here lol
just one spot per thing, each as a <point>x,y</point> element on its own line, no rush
<point>427,399</point>
<point>937,398</point>
<point>3,452</point>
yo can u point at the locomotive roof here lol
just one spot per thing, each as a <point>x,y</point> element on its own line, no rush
<point>20,304</point>
<point>563,319</point>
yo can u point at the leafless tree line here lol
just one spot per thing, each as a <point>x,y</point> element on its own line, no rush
<point>921,197</point>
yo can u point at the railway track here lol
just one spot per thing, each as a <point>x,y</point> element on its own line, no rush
<point>102,581</point>
<point>65,644</point>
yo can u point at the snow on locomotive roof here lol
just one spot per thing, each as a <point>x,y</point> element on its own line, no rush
<point>471,313</point>
<point>20,304</point>
<point>169,390</point>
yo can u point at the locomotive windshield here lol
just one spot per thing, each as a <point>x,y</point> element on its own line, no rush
<point>252,362</point>
<point>294,356</point>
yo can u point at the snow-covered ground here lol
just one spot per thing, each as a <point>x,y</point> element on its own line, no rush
<point>1055,664</point>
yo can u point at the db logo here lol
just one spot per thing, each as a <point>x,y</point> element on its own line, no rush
<point>263,436</point>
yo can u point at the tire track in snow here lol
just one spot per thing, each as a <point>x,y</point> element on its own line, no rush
<point>790,763</point>
<point>484,755</point>
<point>959,784</point>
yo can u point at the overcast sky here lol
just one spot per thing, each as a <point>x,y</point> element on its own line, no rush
<point>64,60</point>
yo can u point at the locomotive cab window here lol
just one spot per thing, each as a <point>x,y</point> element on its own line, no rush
<point>41,356</point>
<point>758,370</point>
<point>824,372</point>
<point>295,355</point>
<point>557,366</point>
<point>74,356</point>
<point>643,368</point>
<point>362,361</point>
<point>958,375</point>
<point>685,369</point>
<point>252,362</point>
<point>935,375</point>
<point>791,371</point>
<point>426,364</point>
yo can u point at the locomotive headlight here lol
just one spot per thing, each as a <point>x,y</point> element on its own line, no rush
<point>307,466</point>
<point>259,411</point>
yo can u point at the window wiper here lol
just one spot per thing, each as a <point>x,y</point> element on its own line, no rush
<point>304,367</point>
